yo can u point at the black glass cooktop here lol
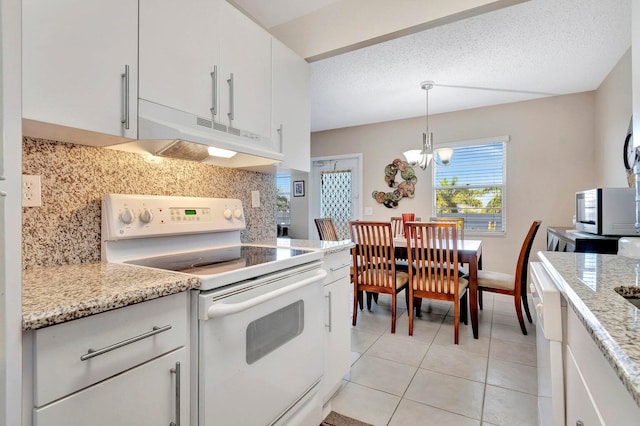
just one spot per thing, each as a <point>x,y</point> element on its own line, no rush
<point>219,260</point>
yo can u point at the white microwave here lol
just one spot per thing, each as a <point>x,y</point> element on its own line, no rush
<point>606,211</point>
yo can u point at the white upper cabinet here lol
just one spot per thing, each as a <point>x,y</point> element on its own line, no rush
<point>205,58</point>
<point>79,64</point>
<point>291,107</point>
<point>179,53</point>
<point>245,73</point>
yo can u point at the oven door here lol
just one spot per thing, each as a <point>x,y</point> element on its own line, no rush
<point>260,349</point>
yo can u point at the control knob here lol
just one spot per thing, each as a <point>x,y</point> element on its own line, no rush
<point>127,216</point>
<point>237,213</point>
<point>227,214</point>
<point>146,216</point>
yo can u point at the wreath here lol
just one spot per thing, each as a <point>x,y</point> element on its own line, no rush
<point>405,188</point>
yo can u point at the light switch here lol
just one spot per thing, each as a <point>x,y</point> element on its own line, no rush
<point>255,199</point>
<point>368,211</point>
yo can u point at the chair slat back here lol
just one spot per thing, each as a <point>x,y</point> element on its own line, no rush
<point>326,229</point>
<point>459,221</point>
<point>396,223</point>
<point>373,253</point>
<point>433,252</point>
<point>523,258</point>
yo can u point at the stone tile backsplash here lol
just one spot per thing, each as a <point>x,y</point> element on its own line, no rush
<point>66,229</point>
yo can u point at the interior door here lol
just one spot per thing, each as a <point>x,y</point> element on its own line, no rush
<point>335,191</point>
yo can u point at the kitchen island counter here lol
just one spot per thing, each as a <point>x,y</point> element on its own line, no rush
<point>587,280</point>
<point>55,294</point>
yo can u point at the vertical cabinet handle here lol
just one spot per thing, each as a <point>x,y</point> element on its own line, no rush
<point>214,91</point>
<point>125,97</point>
<point>231,112</point>
<point>281,134</point>
<point>328,297</point>
<point>176,371</point>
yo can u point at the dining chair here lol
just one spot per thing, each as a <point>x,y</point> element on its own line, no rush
<point>398,232</point>
<point>327,232</point>
<point>396,223</point>
<point>459,221</point>
<point>433,251</point>
<point>326,229</point>
<point>513,285</point>
<point>375,270</point>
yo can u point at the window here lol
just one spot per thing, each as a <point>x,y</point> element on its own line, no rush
<point>473,185</point>
<point>283,200</point>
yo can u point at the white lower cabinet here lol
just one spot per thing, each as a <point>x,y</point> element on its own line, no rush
<point>145,395</point>
<point>337,336</point>
<point>580,405</point>
<point>594,393</point>
<point>124,366</point>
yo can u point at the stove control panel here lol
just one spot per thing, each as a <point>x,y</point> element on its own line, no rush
<point>127,216</point>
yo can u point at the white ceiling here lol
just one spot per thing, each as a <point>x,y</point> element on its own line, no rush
<point>547,46</point>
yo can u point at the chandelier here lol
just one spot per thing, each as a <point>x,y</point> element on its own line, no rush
<point>422,157</point>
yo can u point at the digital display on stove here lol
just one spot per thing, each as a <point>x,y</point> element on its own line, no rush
<point>190,212</point>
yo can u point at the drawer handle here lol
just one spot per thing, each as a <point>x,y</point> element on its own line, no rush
<point>93,353</point>
<point>344,265</point>
<point>176,371</point>
<point>328,297</point>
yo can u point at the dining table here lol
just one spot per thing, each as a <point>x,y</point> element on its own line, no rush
<point>470,253</point>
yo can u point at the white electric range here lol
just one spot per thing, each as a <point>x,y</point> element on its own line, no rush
<point>256,321</point>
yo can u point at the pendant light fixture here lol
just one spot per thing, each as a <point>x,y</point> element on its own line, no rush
<point>422,157</point>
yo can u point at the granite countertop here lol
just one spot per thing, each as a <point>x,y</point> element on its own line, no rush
<point>55,294</point>
<point>328,247</point>
<point>587,280</point>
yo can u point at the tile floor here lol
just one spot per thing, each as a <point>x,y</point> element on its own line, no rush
<point>425,379</point>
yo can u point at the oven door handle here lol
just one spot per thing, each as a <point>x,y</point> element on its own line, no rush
<point>224,309</point>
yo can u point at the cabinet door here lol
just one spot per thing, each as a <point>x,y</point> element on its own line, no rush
<point>74,57</point>
<point>580,405</point>
<point>245,53</point>
<point>178,53</point>
<point>337,336</point>
<point>145,395</point>
<point>291,107</point>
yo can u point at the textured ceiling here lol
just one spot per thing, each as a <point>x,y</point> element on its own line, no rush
<point>547,46</point>
<point>274,12</point>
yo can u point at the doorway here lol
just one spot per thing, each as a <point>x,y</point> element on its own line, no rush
<point>335,191</point>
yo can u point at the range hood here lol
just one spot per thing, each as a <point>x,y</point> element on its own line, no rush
<point>168,132</point>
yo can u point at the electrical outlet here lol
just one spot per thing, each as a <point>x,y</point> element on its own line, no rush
<point>255,199</point>
<point>31,191</point>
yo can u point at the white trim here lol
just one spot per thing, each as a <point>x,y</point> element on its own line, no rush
<point>504,138</point>
<point>11,215</point>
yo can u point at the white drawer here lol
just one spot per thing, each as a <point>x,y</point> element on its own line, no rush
<point>337,265</point>
<point>59,369</point>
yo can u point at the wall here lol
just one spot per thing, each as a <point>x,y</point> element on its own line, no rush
<point>613,112</point>
<point>550,156</point>
<point>300,209</point>
<point>66,229</point>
